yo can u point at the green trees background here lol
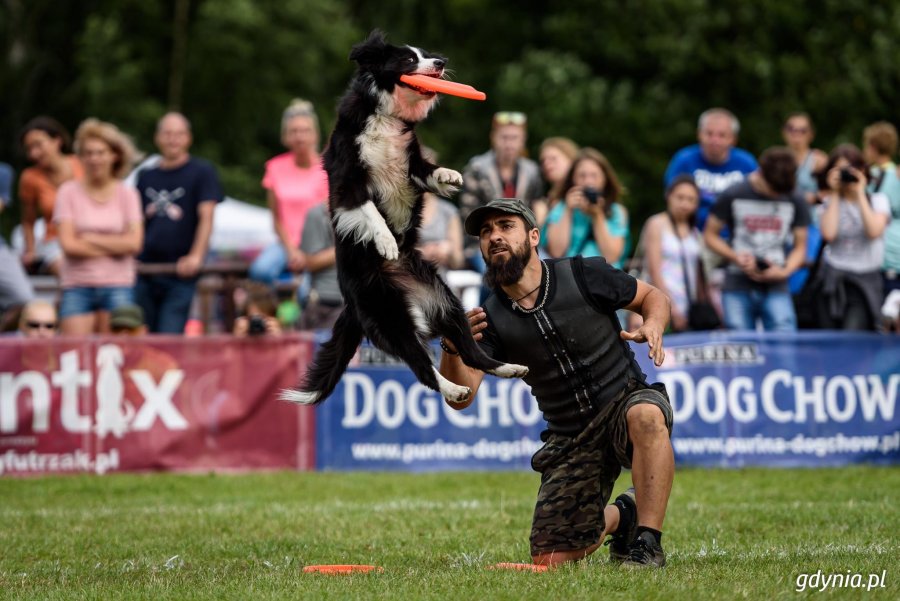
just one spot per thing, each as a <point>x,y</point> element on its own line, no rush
<point>628,77</point>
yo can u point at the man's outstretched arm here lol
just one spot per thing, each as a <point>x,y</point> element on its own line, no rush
<point>454,369</point>
<point>655,308</point>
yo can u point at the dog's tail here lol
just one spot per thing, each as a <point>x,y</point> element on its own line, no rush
<point>330,363</point>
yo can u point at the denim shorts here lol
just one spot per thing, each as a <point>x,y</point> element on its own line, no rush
<point>83,299</point>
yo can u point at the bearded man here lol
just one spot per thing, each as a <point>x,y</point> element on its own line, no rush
<point>558,317</point>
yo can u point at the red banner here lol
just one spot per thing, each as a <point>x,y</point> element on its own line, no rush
<point>152,403</point>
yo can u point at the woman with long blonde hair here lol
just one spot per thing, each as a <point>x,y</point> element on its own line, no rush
<point>100,230</point>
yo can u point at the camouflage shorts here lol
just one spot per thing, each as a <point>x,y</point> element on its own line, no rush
<point>578,474</point>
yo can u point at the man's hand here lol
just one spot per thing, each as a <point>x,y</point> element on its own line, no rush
<point>771,274</point>
<point>437,252</point>
<point>477,321</point>
<point>652,334</point>
<point>29,258</point>
<point>746,262</point>
<point>188,266</point>
<point>296,260</point>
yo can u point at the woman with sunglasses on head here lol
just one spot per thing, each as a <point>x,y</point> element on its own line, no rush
<point>100,230</point>
<point>852,221</point>
<point>46,144</point>
<point>295,181</point>
<point>591,222</point>
<point>502,172</point>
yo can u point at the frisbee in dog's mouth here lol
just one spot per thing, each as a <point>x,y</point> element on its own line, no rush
<point>424,91</point>
<point>424,83</point>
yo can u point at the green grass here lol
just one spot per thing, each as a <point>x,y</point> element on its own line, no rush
<point>729,534</point>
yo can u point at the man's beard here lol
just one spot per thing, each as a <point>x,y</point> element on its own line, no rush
<point>510,271</point>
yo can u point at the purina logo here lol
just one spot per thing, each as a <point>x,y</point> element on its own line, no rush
<point>732,353</point>
<point>115,414</point>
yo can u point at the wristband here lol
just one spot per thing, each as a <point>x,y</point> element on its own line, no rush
<point>446,348</point>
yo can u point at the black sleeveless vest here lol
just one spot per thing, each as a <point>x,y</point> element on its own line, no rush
<point>576,361</point>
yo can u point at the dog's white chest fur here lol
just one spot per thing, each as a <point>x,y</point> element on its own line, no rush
<point>383,149</point>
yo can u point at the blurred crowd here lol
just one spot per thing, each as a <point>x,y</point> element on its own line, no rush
<point>796,238</point>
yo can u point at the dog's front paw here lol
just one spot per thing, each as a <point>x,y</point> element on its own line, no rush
<point>386,246</point>
<point>510,370</point>
<point>447,181</point>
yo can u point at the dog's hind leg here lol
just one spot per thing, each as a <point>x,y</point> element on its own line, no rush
<point>417,355</point>
<point>459,332</point>
<point>454,393</point>
<point>330,363</point>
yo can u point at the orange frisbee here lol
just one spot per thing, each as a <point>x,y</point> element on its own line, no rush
<point>443,86</point>
<point>342,569</point>
<point>521,567</point>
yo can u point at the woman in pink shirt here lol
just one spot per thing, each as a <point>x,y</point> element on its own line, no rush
<point>294,182</point>
<point>100,230</point>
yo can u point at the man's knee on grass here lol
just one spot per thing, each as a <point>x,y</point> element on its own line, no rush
<point>646,423</point>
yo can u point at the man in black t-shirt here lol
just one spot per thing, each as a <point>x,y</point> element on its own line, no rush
<point>178,196</point>
<point>559,318</point>
<point>765,216</point>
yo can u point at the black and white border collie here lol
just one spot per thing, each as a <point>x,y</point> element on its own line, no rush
<point>376,177</point>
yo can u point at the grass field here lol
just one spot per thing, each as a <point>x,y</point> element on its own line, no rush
<point>729,535</point>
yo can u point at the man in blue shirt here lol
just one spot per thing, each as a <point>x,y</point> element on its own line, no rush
<point>714,163</point>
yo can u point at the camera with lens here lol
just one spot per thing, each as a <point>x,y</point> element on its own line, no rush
<point>762,264</point>
<point>257,325</point>
<point>592,195</point>
<point>847,176</point>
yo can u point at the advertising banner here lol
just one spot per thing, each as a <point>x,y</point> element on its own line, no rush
<point>806,399</point>
<point>381,418</point>
<point>160,402</point>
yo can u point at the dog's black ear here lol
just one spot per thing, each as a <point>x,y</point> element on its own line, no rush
<point>371,51</point>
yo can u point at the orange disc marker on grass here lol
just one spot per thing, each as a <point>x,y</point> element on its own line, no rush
<point>519,567</point>
<point>342,569</point>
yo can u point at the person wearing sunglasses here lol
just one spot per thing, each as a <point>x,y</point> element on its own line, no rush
<point>38,320</point>
<point>798,133</point>
<point>501,172</point>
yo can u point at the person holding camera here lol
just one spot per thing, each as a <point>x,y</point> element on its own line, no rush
<point>259,317</point>
<point>762,214</point>
<point>591,222</point>
<point>849,281</point>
